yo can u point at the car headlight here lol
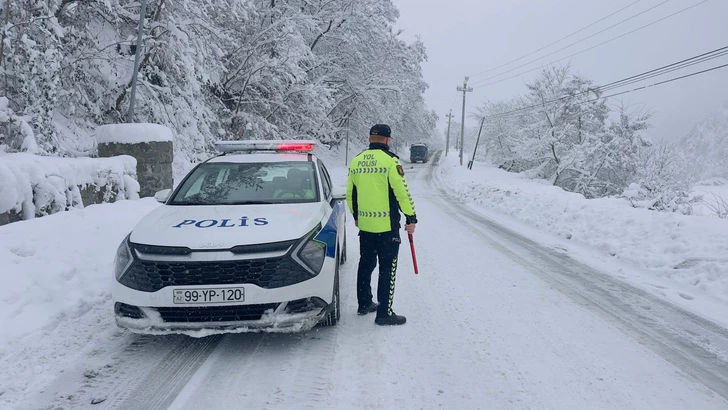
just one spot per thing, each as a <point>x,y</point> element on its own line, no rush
<point>313,252</point>
<point>123,259</point>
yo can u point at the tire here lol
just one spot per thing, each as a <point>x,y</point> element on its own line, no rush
<point>342,257</point>
<point>333,317</point>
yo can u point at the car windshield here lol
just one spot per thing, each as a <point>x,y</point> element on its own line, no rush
<point>418,149</point>
<point>250,183</point>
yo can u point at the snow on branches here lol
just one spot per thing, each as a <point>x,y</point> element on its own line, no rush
<point>564,131</point>
<point>210,69</point>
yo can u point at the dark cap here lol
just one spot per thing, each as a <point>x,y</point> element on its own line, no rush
<point>381,129</point>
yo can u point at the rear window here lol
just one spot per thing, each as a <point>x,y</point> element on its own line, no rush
<point>251,183</point>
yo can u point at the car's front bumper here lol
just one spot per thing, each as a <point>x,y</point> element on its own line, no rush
<point>194,321</point>
<point>262,309</point>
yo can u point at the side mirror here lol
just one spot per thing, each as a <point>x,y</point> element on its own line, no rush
<point>163,195</point>
<point>338,193</point>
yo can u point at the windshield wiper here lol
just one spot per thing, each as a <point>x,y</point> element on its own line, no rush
<point>225,203</point>
<point>187,203</point>
<point>253,203</point>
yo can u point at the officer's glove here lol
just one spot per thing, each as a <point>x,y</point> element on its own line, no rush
<point>409,226</point>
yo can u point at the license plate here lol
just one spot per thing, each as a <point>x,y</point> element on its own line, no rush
<point>224,295</point>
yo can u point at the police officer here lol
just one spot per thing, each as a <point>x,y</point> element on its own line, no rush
<point>376,192</point>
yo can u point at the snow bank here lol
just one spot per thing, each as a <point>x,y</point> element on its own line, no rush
<point>56,302</point>
<point>38,185</point>
<point>690,251</point>
<point>58,267</point>
<point>133,133</point>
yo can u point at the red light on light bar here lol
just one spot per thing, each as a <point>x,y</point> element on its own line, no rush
<point>295,147</point>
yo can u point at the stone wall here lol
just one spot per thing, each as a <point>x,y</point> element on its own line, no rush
<point>9,217</point>
<point>154,163</point>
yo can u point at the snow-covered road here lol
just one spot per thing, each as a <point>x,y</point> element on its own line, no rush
<point>495,321</point>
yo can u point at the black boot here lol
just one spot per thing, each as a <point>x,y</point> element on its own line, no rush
<point>392,320</point>
<point>368,309</point>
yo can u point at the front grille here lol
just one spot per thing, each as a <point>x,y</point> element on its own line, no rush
<point>193,314</point>
<point>268,273</point>
<point>133,312</point>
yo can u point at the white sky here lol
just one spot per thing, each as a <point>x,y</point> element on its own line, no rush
<point>465,37</point>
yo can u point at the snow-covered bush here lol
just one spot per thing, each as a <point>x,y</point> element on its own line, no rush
<point>663,181</point>
<point>717,205</point>
<point>15,130</point>
<point>36,186</point>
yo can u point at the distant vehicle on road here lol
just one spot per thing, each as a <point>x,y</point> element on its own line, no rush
<point>418,152</point>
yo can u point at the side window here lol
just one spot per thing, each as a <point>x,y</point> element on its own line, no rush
<point>325,180</point>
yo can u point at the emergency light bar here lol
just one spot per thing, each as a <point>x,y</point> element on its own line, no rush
<point>285,145</point>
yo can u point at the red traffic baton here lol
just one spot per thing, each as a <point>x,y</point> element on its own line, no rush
<point>412,248</point>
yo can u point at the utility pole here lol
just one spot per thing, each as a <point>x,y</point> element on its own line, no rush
<point>447,144</point>
<point>465,90</point>
<point>470,164</point>
<point>140,34</point>
<point>347,143</point>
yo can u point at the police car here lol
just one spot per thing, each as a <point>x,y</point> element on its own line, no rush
<point>250,239</point>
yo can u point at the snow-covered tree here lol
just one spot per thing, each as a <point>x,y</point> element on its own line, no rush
<point>564,131</point>
<point>209,69</point>
<point>706,146</point>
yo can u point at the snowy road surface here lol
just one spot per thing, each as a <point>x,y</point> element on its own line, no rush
<point>495,321</point>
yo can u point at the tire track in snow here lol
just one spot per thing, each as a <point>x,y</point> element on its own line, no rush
<point>314,371</point>
<point>134,372</point>
<point>173,370</point>
<point>264,371</point>
<point>358,360</point>
<point>693,344</point>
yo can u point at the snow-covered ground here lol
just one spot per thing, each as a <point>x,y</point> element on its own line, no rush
<point>495,321</point>
<point>55,296</point>
<point>684,258</point>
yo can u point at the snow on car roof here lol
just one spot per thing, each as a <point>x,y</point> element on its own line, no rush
<point>260,157</point>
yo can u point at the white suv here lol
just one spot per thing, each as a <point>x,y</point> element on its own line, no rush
<point>251,239</point>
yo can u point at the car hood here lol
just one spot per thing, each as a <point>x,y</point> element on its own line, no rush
<point>225,226</point>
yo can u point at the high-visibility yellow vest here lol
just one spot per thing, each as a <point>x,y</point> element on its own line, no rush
<point>376,190</point>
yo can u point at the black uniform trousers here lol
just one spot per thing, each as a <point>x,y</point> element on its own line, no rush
<point>385,247</point>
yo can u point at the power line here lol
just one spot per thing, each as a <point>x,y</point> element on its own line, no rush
<point>668,69</point>
<point>558,41</point>
<point>666,81</point>
<point>527,108</point>
<point>579,41</point>
<point>585,50</point>
<point>709,53</point>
